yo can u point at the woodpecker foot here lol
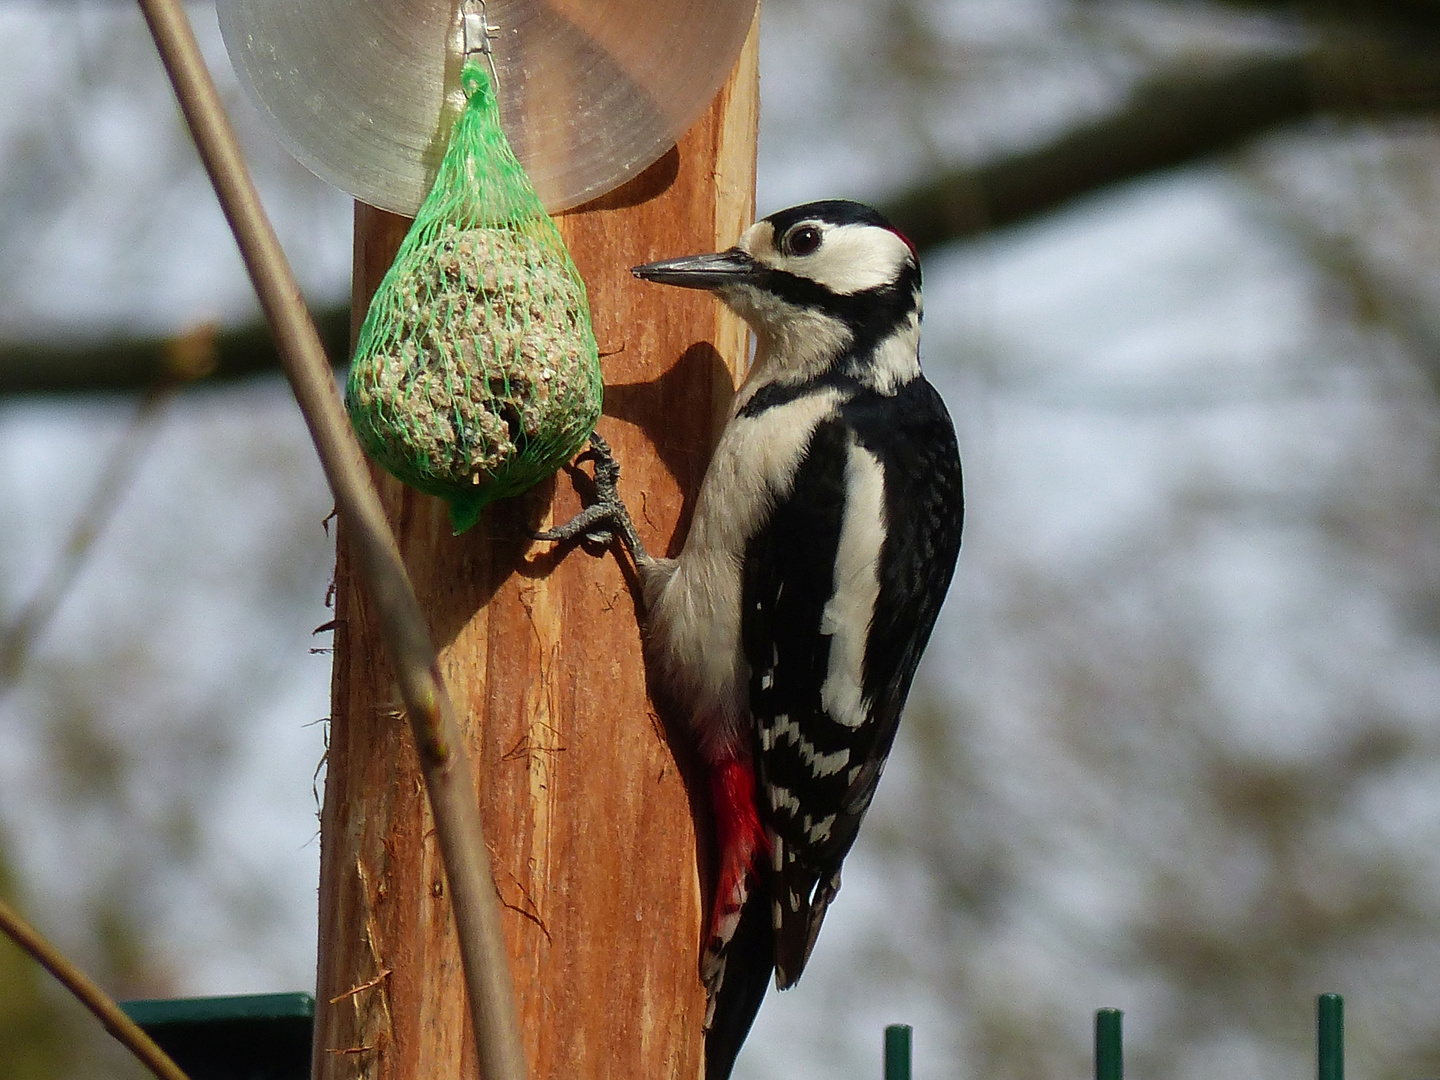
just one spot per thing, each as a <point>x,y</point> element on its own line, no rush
<point>601,521</point>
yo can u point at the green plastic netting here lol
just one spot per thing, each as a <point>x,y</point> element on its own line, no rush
<point>476,373</point>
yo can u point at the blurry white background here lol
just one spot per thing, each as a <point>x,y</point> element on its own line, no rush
<point>1174,747</point>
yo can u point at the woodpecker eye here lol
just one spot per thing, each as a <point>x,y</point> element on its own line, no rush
<point>802,240</point>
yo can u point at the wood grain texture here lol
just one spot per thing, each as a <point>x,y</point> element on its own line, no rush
<point>582,785</point>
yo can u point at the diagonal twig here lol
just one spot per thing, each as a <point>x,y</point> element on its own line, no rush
<point>443,760</point>
<point>129,1033</point>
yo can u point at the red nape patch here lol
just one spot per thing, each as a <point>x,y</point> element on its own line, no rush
<point>908,243</point>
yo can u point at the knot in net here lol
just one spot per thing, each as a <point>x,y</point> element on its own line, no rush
<point>476,374</point>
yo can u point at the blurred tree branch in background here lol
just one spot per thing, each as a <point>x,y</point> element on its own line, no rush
<point>1378,60</point>
<point>1178,751</point>
<point>133,364</point>
<point>1168,122</point>
<point>1404,18</point>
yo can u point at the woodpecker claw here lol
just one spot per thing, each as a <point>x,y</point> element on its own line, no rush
<point>605,518</point>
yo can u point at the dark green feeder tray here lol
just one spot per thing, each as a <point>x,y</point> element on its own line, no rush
<point>253,1037</point>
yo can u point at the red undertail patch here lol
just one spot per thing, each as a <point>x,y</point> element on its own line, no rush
<point>740,839</point>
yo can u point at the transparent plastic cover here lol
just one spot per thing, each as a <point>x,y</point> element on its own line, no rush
<point>364,92</point>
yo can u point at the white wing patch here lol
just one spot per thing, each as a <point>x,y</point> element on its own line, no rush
<point>851,607</point>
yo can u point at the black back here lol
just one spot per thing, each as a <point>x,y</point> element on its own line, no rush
<point>789,578</point>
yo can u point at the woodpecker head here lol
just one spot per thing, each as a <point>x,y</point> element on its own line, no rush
<point>825,286</point>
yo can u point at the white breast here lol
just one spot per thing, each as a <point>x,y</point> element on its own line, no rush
<point>694,616</point>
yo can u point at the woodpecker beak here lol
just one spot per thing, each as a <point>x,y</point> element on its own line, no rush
<point>733,267</point>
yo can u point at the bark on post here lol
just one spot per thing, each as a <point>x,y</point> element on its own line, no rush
<point>582,791</point>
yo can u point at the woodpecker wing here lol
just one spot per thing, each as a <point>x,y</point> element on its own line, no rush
<point>842,588</point>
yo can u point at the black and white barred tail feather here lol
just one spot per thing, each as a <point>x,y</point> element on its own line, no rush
<point>748,964</point>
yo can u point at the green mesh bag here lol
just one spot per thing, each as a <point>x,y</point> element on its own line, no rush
<point>476,373</point>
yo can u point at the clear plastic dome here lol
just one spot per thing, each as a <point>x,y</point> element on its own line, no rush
<point>364,92</point>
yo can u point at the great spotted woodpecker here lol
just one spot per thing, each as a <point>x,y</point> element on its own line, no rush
<point>823,541</point>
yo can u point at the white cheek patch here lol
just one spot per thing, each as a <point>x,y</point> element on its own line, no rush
<point>851,259</point>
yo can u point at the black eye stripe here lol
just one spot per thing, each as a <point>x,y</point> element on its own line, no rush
<point>802,240</point>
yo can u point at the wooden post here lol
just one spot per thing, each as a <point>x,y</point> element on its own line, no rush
<point>582,786</point>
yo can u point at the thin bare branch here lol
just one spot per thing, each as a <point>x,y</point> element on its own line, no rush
<point>18,639</point>
<point>440,748</point>
<point>101,1004</point>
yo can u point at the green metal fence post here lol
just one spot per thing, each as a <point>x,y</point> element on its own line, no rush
<point>1109,1063</point>
<point>897,1051</point>
<point>1330,1037</point>
<point>252,1036</point>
